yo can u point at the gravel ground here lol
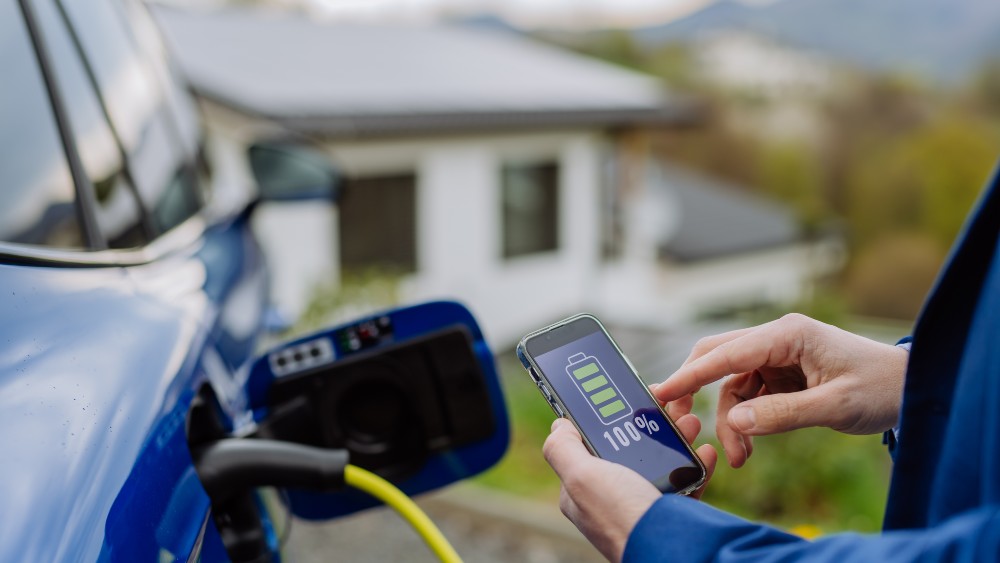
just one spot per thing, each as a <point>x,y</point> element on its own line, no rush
<point>484,527</point>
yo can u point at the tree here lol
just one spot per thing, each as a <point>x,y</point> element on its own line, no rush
<point>925,181</point>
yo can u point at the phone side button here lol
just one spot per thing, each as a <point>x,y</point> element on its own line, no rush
<point>559,412</point>
<point>545,391</point>
<point>534,376</point>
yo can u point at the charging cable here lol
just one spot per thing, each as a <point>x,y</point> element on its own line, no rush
<point>388,493</point>
<point>230,468</point>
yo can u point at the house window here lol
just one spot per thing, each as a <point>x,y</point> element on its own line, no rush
<point>378,224</point>
<point>530,204</point>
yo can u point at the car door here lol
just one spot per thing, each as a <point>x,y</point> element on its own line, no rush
<point>124,295</point>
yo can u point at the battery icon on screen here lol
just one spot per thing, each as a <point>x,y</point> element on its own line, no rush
<point>601,392</point>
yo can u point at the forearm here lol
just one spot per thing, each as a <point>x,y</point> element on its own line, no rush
<point>678,529</point>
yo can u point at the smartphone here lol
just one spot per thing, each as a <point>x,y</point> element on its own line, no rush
<point>584,376</point>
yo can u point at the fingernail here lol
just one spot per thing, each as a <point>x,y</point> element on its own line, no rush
<point>743,418</point>
<point>557,423</point>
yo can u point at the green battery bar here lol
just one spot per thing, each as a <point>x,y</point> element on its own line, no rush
<point>602,394</point>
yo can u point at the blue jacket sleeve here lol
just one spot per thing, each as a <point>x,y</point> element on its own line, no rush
<point>679,529</point>
<point>891,436</point>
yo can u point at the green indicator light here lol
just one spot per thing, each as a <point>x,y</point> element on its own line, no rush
<point>587,370</point>
<point>603,396</point>
<point>591,384</point>
<point>608,410</point>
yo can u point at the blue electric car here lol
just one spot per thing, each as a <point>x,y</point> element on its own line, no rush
<point>137,419</point>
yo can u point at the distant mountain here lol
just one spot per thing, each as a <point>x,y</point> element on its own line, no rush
<point>484,20</point>
<point>942,39</point>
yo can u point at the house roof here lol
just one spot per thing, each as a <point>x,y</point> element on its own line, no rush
<point>717,219</point>
<point>356,80</point>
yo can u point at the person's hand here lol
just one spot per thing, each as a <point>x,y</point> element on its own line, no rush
<point>603,499</point>
<point>792,373</point>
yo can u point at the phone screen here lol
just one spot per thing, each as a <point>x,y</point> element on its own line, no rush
<point>611,405</point>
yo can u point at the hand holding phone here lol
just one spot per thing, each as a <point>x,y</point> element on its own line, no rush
<point>585,377</point>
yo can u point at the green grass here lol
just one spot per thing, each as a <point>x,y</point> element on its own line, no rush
<point>814,476</point>
<point>523,471</point>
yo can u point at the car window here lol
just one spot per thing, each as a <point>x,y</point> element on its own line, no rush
<point>149,41</point>
<point>37,199</point>
<point>180,99</point>
<point>163,172</point>
<point>118,215</point>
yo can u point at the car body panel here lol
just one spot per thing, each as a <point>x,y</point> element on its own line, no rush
<point>97,371</point>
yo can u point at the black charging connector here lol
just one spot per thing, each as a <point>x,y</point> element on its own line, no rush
<point>231,468</point>
<point>235,465</point>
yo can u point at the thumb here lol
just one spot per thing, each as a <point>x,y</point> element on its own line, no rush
<point>564,449</point>
<point>781,412</point>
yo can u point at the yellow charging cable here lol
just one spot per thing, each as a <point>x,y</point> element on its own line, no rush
<point>388,493</point>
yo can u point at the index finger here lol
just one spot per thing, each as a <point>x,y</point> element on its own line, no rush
<point>709,343</point>
<point>765,346</point>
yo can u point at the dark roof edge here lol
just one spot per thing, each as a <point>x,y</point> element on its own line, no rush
<point>682,112</point>
<point>683,257</point>
<point>665,252</point>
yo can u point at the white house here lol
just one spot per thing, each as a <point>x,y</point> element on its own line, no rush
<point>786,86</point>
<point>719,248</point>
<point>484,166</point>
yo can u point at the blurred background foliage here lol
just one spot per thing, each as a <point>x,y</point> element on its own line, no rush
<point>896,162</point>
<point>358,293</point>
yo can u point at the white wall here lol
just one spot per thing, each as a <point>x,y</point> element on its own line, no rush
<point>299,241</point>
<point>756,64</point>
<point>667,295</point>
<point>459,238</point>
<point>297,238</point>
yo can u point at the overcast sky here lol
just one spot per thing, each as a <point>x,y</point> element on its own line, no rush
<point>556,13</point>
